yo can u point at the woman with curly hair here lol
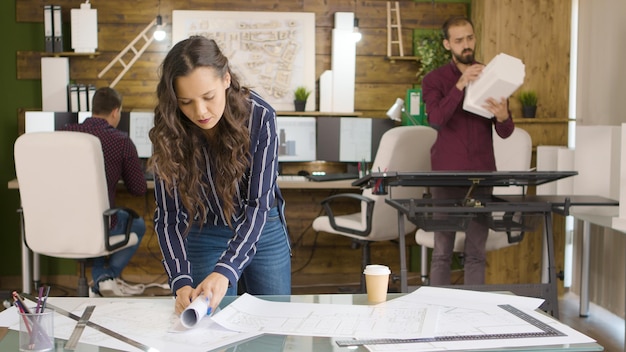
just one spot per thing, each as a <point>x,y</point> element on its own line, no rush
<point>219,212</point>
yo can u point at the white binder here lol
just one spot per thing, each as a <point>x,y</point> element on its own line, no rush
<point>57,27</point>
<point>47,28</point>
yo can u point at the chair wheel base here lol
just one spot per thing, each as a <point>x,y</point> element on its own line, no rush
<point>83,288</point>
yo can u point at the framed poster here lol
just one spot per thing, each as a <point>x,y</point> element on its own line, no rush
<point>271,52</point>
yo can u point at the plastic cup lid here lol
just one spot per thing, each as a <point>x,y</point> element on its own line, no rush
<point>376,269</point>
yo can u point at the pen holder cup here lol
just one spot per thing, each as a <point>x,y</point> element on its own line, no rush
<point>37,331</point>
<point>379,188</point>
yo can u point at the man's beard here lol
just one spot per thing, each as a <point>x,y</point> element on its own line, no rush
<point>465,59</point>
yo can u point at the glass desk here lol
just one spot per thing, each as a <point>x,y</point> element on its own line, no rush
<point>277,343</point>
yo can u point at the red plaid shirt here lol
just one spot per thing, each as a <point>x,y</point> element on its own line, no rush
<point>120,156</point>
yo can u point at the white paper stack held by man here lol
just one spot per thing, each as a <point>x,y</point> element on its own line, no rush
<point>499,79</point>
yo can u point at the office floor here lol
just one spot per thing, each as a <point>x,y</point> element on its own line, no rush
<point>602,325</point>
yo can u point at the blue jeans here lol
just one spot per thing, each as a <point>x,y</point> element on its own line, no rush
<point>269,272</point>
<point>103,269</point>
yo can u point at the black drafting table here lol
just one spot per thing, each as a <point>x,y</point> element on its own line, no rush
<point>419,211</point>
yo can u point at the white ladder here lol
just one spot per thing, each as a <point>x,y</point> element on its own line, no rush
<point>394,24</point>
<point>147,40</point>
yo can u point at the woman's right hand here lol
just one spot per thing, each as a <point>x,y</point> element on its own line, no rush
<point>184,297</point>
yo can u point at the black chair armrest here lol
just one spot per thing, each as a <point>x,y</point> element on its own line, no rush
<point>107,231</point>
<point>368,216</point>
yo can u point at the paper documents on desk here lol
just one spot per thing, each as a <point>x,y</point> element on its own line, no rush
<point>458,313</point>
<point>146,320</point>
<point>499,79</point>
<point>464,312</point>
<point>339,318</point>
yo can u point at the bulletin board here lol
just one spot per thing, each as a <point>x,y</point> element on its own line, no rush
<point>271,52</point>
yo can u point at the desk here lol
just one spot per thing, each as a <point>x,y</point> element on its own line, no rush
<point>264,343</point>
<point>418,212</point>
<point>30,261</point>
<point>340,184</point>
<point>600,217</point>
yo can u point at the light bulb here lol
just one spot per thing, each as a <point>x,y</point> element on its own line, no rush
<point>356,33</point>
<point>159,33</point>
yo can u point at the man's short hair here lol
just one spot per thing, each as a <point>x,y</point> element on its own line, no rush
<point>105,100</point>
<point>454,21</point>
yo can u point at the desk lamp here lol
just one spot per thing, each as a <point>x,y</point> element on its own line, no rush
<point>397,111</point>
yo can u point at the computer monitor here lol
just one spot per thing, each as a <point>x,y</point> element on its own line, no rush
<point>136,124</point>
<point>141,122</point>
<point>350,139</point>
<point>296,138</point>
<point>47,121</point>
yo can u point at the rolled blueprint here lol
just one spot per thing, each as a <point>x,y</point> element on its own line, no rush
<point>197,310</point>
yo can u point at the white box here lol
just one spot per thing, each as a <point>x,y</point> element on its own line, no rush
<point>55,76</point>
<point>597,160</point>
<point>84,23</point>
<point>326,91</point>
<point>343,63</point>
<point>499,79</point>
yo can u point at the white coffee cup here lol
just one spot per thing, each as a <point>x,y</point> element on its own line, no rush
<point>376,282</point>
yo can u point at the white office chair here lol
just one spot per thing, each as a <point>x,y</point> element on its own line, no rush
<point>65,205</point>
<point>403,148</point>
<point>512,154</point>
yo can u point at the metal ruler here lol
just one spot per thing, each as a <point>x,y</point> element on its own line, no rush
<point>95,326</point>
<point>78,329</point>
<point>546,331</point>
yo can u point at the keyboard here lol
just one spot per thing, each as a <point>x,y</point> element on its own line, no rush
<point>333,177</point>
<point>292,178</point>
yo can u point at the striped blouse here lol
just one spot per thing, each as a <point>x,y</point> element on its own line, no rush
<point>256,193</point>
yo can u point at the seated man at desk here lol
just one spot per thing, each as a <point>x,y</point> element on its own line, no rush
<point>464,143</point>
<point>121,163</point>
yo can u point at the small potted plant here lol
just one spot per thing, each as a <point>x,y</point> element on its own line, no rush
<point>528,98</point>
<point>301,94</point>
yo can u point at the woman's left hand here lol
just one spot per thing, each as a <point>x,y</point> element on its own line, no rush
<point>213,286</point>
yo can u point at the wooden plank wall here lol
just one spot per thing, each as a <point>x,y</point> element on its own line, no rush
<point>538,33</point>
<point>502,26</point>
<point>378,83</point>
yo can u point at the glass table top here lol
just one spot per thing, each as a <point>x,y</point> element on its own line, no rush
<point>277,343</point>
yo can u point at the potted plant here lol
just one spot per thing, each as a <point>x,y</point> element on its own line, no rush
<point>528,98</point>
<point>301,94</point>
<point>428,47</point>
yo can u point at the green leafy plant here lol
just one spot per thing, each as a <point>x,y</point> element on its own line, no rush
<point>301,93</point>
<point>528,97</point>
<point>429,48</point>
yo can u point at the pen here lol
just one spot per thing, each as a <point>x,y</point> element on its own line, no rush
<point>45,298</point>
<point>39,297</point>
<point>20,301</point>
<point>22,308</point>
<point>209,309</point>
<point>378,183</point>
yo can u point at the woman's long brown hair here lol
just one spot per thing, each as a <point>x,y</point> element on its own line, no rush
<point>177,156</point>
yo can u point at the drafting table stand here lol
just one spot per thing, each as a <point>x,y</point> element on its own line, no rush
<point>460,212</point>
